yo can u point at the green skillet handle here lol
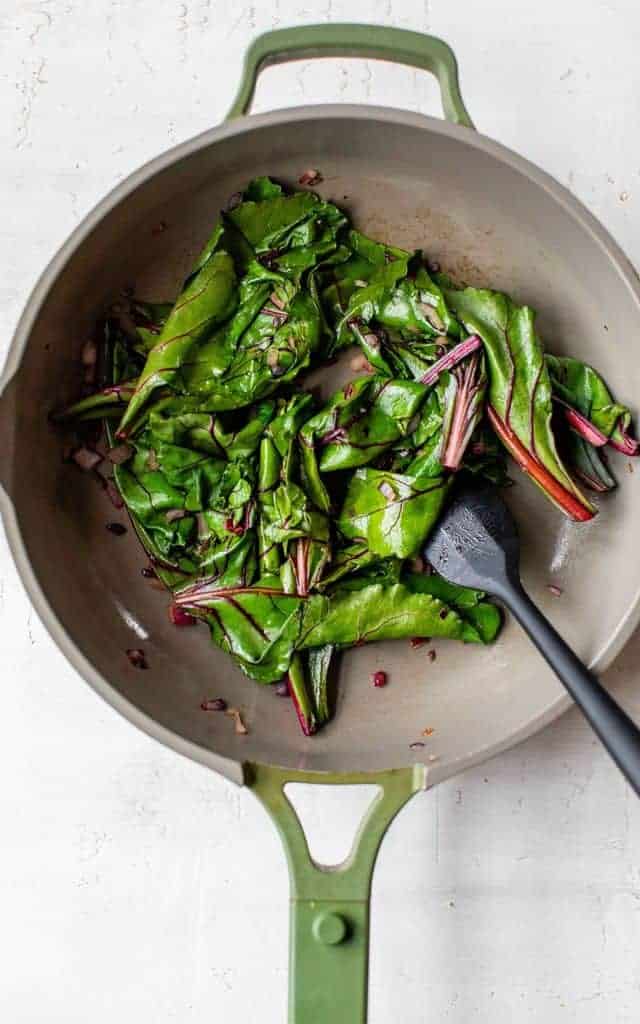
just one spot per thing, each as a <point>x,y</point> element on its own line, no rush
<point>369,41</point>
<point>329,915</point>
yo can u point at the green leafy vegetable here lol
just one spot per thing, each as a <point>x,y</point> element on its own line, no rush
<point>392,512</point>
<point>399,303</point>
<point>319,660</point>
<point>379,612</point>
<point>258,625</point>
<point>288,528</point>
<point>209,297</point>
<point>482,618</point>
<point>464,406</point>
<point>519,408</point>
<point>581,390</point>
<point>148,318</point>
<point>360,422</point>
<point>588,464</point>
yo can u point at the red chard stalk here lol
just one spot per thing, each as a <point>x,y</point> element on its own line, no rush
<point>451,358</point>
<point>623,442</point>
<point>468,383</point>
<point>520,391</point>
<point>559,495</point>
<point>589,407</point>
<point>583,426</point>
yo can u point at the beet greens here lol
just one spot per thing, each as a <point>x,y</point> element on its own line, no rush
<point>290,527</point>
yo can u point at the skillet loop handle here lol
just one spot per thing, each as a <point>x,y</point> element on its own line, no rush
<point>329,913</point>
<point>369,41</point>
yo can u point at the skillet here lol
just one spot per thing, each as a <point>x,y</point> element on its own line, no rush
<point>488,216</point>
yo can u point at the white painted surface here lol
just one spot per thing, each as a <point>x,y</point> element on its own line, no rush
<point>134,885</point>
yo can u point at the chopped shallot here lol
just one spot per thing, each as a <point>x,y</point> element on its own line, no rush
<point>360,363</point>
<point>240,727</point>
<point>89,354</point>
<point>121,453</point>
<point>174,514</point>
<point>234,200</point>
<point>310,177</point>
<point>113,494</point>
<point>273,362</point>
<point>86,458</point>
<point>387,491</point>
<point>215,704</point>
<point>137,658</point>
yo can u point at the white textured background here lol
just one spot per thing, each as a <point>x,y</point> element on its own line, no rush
<point>134,885</point>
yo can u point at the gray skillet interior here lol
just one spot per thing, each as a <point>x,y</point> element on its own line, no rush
<point>488,217</point>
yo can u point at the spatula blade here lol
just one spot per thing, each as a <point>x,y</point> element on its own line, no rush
<point>475,544</point>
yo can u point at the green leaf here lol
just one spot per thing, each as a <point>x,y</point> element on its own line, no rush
<point>149,319</point>
<point>108,401</point>
<point>294,231</point>
<point>394,513</point>
<point>377,612</point>
<point>267,357</point>
<point>258,625</point>
<point>363,259</point>
<point>302,696</point>
<point>262,188</point>
<point>266,223</point>
<point>208,433</point>
<point>582,388</point>
<point>359,422</point>
<point>293,534</point>
<point>319,662</point>
<point>192,506</point>
<point>394,307</point>
<point>212,358</point>
<point>519,391</point>
<point>481,616</point>
<point>209,297</point>
<point>349,559</point>
<point>588,464</point>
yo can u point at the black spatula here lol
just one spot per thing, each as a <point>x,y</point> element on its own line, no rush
<point>476,545</point>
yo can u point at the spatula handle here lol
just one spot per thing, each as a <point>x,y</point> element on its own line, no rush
<point>615,729</point>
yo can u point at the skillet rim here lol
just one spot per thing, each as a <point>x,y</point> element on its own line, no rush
<point>233,768</point>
